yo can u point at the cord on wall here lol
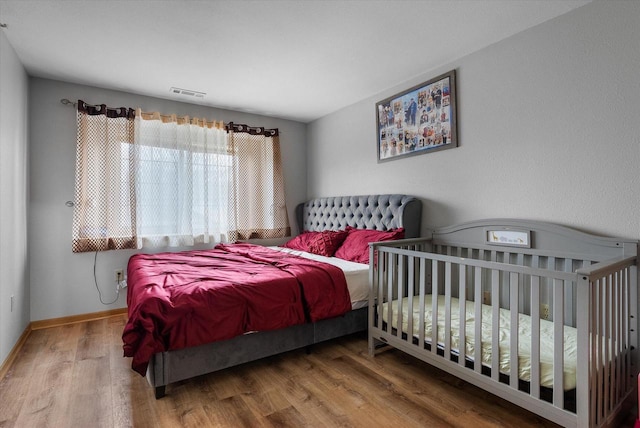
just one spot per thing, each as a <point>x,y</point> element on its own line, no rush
<point>95,280</point>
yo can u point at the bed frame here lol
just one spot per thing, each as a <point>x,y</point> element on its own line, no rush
<point>381,212</point>
<point>538,269</point>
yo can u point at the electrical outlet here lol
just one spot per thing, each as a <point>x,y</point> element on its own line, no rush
<point>486,298</point>
<point>119,275</point>
<point>544,311</point>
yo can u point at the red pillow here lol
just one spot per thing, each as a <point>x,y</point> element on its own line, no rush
<point>355,247</point>
<point>324,243</point>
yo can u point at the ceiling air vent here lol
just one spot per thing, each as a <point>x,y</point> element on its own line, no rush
<point>187,92</point>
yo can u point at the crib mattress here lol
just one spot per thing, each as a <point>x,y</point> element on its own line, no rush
<point>524,341</point>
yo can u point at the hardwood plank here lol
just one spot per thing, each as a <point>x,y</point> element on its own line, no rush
<point>13,354</point>
<point>382,391</point>
<point>231,412</point>
<point>337,395</point>
<point>15,383</point>
<point>93,341</point>
<point>124,393</point>
<point>266,403</point>
<point>75,375</point>
<point>45,406</point>
<point>290,417</point>
<point>13,393</point>
<point>90,399</point>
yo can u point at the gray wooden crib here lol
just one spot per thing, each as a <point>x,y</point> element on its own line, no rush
<point>456,299</point>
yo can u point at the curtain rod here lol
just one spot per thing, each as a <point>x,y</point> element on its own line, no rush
<point>71,103</point>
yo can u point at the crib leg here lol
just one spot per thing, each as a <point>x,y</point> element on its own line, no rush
<point>375,344</point>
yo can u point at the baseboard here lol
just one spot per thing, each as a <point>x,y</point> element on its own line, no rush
<point>56,322</point>
<point>53,322</point>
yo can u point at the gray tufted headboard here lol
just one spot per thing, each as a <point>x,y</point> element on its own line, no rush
<point>380,212</point>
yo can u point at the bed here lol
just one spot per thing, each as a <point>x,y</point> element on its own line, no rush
<point>160,336</point>
<point>456,297</point>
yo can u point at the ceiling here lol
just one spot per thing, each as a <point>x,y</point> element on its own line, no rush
<point>298,60</point>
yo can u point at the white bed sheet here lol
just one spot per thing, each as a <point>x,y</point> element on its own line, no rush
<point>356,274</point>
<point>524,342</point>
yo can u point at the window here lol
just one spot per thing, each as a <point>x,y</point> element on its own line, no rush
<point>149,180</point>
<point>181,182</point>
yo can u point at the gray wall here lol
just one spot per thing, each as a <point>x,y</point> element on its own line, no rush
<point>549,129</point>
<point>62,282</point>
<point>14,261</point>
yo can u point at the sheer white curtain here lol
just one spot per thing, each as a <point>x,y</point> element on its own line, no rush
<point>182,180</point>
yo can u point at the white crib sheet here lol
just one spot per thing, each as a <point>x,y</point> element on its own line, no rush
<point>524,342</point>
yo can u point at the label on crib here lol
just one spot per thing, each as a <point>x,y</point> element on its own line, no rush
<point>511,237</point>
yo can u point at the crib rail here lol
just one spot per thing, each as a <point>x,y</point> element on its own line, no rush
<point>422,295</point>
<point>609,323</point>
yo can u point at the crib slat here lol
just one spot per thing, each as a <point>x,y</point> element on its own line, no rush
<point>472,254</point>
<point>513,351</point>
<point>521,285</point>
<point>624,327</point>
<point>584,403</point>
<point>390,270</point>
<point>569,311</point>
<point>504,301</point>
<point>594,324</point>
<point>410,294</point>
<point>495,324</point>
<point>619,339</point>
<point>421,320</point>
<point>535,337</point>
<point>607,341</point>
<point>599,353</point>
<point>399,296</point>
<point>462,330</point>
<point>558,343</point>
<point>382,261</point>
<point>547,292</point>
<point>447,310</point>
<point>613,343</point>
<point>477,345</point>
<point>535,263</point>
<point>624,333</point>
<point>631,323</point>
<point>434,309</point>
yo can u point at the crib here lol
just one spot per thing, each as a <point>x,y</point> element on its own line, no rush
<point>453,299</point>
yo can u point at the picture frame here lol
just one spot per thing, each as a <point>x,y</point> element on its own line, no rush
<point>422,119</point>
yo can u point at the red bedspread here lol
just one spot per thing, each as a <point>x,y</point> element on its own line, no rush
<point>189,298</point>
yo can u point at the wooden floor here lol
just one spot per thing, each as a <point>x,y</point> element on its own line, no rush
<point>75,376</point>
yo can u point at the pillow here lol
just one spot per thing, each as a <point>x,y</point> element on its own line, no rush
<point>323,243</point>
<point>355,247</point>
